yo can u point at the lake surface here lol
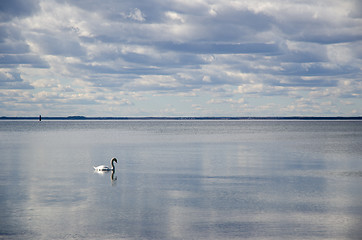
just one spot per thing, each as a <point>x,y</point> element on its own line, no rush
<point>181,180</point>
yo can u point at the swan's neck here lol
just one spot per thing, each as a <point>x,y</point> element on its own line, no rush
<point>113,167</point>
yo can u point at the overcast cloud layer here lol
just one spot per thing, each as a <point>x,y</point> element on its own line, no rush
<point>181,58</point>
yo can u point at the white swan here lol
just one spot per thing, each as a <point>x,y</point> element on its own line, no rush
<point>106,168</point>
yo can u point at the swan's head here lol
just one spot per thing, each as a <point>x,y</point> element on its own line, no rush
<point>114,159</point>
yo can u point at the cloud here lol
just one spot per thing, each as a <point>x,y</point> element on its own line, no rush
<point>316,69</point>
<point>50,45</point>
<point>220,48</point>
<point>12,80</point>
<point>10,9</point>
<point>34,61</point>
<point>137,15</point>
<point>227,100</point>
<point>14,48</point>
<point>356,11</point>
<point>189,53</point>
<point>304,56</point>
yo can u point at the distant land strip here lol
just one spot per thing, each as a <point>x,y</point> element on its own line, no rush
<point>182,118</point>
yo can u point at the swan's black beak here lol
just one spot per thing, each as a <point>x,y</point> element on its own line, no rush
<point>114,159</point>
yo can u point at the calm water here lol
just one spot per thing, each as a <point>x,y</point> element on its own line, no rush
<point>181,180</point>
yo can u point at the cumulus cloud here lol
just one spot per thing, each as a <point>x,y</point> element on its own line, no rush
<point>10,9</point>
<point>12,80</point>
<point>137,15</point>
<point>225,57</point>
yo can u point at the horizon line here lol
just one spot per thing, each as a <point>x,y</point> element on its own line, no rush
<point>40,117</point>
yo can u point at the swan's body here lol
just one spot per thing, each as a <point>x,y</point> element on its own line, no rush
<point>106,168</point>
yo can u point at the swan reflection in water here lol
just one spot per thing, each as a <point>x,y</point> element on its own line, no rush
<point>102,169</point>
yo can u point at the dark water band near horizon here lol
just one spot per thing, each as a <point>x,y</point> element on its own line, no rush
<point>181,179</point>
<point>40,118</point>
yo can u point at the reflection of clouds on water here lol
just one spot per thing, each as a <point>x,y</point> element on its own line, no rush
<point>351,174</point>
<point>14,196</point>
<point>215,186</point>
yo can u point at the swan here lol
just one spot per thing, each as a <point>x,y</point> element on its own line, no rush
<point>106,168</point>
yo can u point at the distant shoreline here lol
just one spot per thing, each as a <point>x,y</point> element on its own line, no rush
<point>180,118</point>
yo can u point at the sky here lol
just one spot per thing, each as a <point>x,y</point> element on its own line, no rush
<point>181,58</point>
